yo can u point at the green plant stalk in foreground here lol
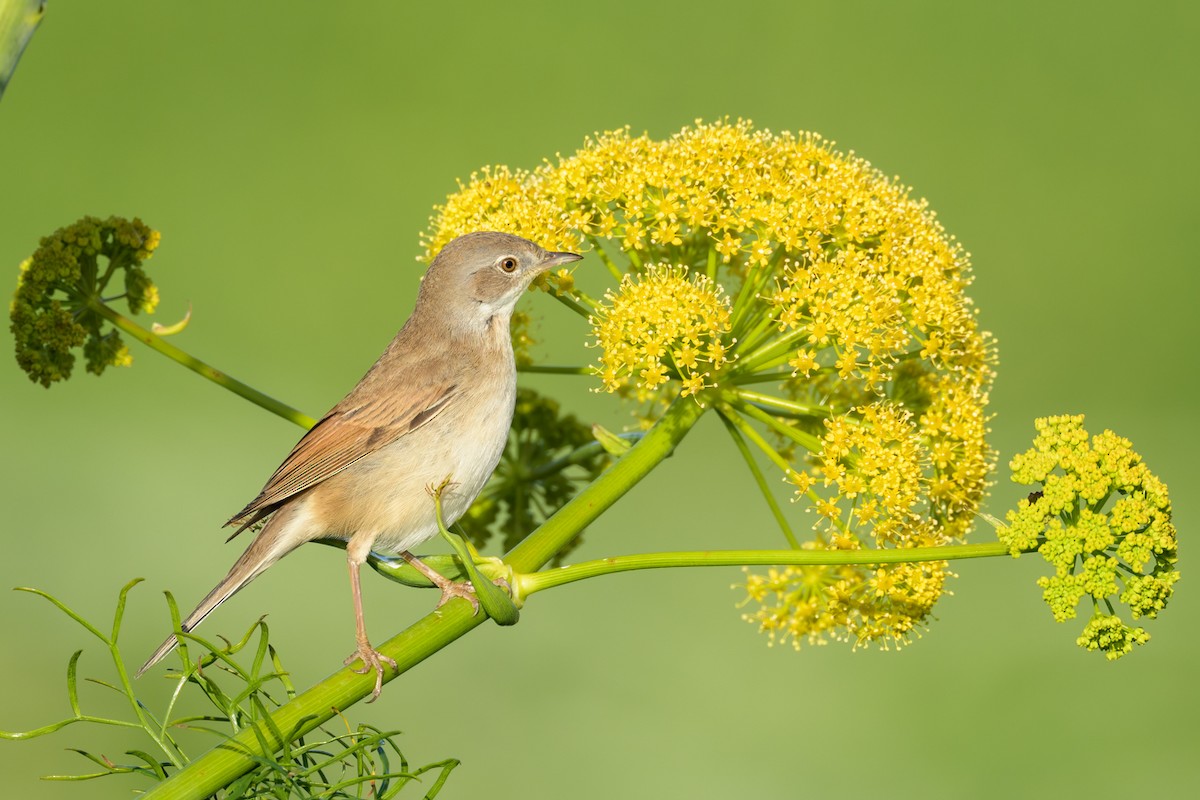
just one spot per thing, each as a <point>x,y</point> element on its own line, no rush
<point>18,21</point>
<point>223,764</point>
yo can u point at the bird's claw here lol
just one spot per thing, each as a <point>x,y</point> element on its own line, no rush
<point>466,590</point>
<point>371,659</point>
<point>463,589</point>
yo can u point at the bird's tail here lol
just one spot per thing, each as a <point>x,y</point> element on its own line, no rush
<point>267,548</point>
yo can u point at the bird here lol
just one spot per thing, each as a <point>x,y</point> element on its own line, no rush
<point>434,409</point>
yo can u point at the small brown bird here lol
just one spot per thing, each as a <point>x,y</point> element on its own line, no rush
<point>437,404</point>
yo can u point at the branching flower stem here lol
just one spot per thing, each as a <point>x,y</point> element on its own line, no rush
<point>771,351</point>
<point>156,342</point>
<point>805,440</point>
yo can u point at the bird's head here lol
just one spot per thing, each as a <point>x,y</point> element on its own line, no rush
<point>478,277</point>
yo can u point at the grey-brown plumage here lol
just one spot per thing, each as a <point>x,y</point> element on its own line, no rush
<point>437,404</point>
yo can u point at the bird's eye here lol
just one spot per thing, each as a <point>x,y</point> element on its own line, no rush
<point>508,264</point>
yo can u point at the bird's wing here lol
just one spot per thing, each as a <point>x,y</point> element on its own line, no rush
<point>343,436</point>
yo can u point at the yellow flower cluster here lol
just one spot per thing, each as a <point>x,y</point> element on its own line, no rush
<point>844,292</point>
<point>1103,521</point>
<point>661,323</point>
<point>861,605</point>
<point>752,195</point>
<point>875,468</point>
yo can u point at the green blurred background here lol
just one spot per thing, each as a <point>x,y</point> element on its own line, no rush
<point>290,153</point>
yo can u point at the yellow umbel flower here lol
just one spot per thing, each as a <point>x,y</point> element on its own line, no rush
<point>662,323</point>
<point>845,297</point>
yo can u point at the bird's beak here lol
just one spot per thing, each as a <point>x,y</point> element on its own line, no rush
<point>556,259</point>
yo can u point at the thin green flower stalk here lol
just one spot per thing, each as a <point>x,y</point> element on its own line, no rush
<point>743,258</point>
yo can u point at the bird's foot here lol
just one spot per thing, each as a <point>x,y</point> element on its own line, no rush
<point>463,589</point>
<point>466,590</point>
<point>371,659</point>
<point>449,589</point>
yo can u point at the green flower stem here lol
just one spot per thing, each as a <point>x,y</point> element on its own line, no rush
<point>224,763</point>
<point>549,579</point>
<point>771,351</point>
<point>755,278</point>
<point>606,259</point>
<point>760,328</point>
<point>770,452</point>
<point>806,440</point>
<point>572,303</point>
<point>172,352</point>
<point>762,444</point>
<point>580,454</point>
<point>781,406</point>
<point>540,370</point>
<point>739,379</point>
<point>558,531</point>
<point>761,480</point>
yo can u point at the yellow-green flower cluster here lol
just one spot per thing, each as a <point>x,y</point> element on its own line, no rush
<point>1103,521</point>
<point>51,312</point>
<point>661,322</point>
<point>848,334</point>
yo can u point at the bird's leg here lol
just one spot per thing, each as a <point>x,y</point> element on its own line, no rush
<point>371,658</point>
<point>450,589</point>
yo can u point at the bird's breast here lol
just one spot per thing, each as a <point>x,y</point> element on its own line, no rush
<point>386,495</point>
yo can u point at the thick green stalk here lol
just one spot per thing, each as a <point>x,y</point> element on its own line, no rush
<point>558,531</point>
<point>215,375</point>
<point>223,764</point>
<point>540,581</point>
